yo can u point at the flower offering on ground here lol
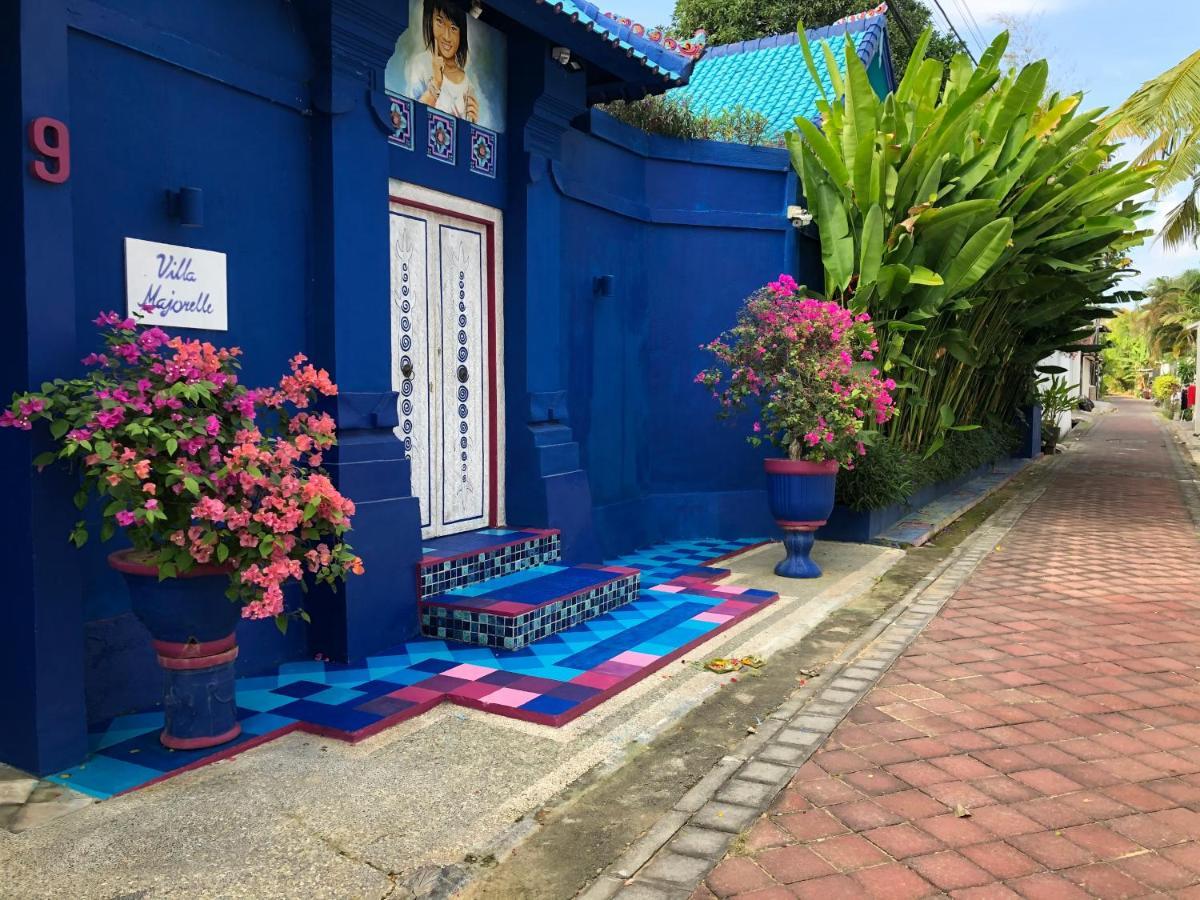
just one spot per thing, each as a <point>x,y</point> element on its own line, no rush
<point>163,432</point>
<point>807,367</point>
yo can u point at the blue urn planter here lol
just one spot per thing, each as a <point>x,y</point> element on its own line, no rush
<point>191,623</point>
<point>800,494</point>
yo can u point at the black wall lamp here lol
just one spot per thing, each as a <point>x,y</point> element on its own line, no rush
<point>186,205</point>
<point>602,286</point>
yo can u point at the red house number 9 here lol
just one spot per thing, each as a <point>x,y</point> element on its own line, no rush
<point>50,138</point>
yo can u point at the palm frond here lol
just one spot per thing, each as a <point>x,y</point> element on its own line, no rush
<point>1183,221</point>
<point>1169,103</point>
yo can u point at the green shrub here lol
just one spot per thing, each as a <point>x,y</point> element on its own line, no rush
<point>1187,369</point>
<point>889,474</point>
<point>881,478</point>
<point>1163,387</point>
<point>676,118</point>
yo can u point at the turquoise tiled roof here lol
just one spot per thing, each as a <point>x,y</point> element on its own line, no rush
<point>769,76</point>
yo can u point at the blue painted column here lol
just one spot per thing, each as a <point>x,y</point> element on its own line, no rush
<point>43,726</point>
<point>546,483</point>
<point>351,325</point>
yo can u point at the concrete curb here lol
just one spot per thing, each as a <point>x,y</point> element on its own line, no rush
<point>677,853</point>
<point>957,513</point>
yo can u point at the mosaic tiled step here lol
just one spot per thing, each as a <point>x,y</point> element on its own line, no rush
<point>461,560</point>
<point>512,611</point>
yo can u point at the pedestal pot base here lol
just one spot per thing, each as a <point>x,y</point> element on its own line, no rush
<point>800,494</point>
<point>192,624</point>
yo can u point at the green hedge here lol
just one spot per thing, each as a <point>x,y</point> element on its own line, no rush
<point>888,474</point>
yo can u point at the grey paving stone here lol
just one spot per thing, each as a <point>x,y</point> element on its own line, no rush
<point>677,868</point>
<point>650,843</point>
<point>603,888</point>
<point>825,708</point>
<point>639,891</point>
<point>834,695</point>
<point>818,724</point>
<point>707,786</point>
<point>766,772</point>
<point>786,754</point>
<point>797,738</point>
<point>725,816</point>
<point>863,673</point>
<point>702,842</point>
<point>746,793</point>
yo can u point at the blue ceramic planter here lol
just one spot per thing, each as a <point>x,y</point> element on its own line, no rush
<point>800,495</point>
<point>191,623</point>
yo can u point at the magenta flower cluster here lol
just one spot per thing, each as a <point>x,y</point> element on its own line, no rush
<point>806,366</point>
<point>163,432</point>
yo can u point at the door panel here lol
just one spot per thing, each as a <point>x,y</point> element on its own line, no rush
<point>463,377</point>
<point>440,365</point>
<point>410,350</point>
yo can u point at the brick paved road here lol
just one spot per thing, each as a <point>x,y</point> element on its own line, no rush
<point>1055,698</point>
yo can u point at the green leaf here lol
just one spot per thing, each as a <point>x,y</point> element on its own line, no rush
<point>871,254</point>
<point>861,103</point>
<point>837,245</point>
<point>829,157</point>
<point>900,325</point>
<point>222,553</point>
<point>172,446</point>
<point>191,485</point>
<point>922,275</point>
<point>893,281</point>
<point>281,622</point>
<point>964,427</point>
<point>44,459</point>
<point>934,447</point>
<point>945,415</point>
<point>977,256</point>
<point>103,449</point>
<point>58,428</point>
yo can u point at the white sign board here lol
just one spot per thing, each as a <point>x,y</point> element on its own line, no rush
<point>177,287</point>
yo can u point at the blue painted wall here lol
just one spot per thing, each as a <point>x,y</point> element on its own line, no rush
<point>273,110</point>
<point>687,230</point>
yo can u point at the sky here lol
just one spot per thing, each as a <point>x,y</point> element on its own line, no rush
<point>1107,48</point>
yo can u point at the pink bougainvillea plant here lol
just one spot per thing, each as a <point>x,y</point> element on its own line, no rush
<point>164,434</point>
<point>807,366</point>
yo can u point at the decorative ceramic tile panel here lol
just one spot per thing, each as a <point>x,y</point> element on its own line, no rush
<point>410,350</point>
<point>550,682</point>
<point>513,611</point>
<point>462,560</point>
<point>401,111</point>
<point>442,136</point>
<point>483,151</point>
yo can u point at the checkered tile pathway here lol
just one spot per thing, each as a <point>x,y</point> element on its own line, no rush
<point>550,682</point>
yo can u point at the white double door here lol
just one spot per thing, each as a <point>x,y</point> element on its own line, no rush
<point>442,341</point>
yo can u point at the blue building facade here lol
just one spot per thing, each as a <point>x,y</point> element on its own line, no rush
<point>571,269</point>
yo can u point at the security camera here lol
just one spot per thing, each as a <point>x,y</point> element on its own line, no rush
<point>799,216</point>
<point>476,9</point>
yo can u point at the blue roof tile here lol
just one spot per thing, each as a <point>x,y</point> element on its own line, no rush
<point>768,75</point>
<point>663,55</point>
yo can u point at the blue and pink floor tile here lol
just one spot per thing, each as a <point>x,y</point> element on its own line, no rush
<point>551,681</point>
